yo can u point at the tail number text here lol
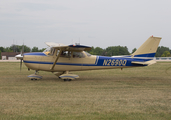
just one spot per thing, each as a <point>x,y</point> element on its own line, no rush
<point>113,62</point>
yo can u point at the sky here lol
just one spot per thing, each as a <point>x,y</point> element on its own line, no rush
<point>98,23</point>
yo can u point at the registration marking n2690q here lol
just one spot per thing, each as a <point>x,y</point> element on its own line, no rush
<point>114,62</point>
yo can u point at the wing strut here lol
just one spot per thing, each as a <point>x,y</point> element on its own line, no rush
<point>56,59</point>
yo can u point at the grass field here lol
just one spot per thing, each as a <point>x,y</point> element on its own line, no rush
<point>134,93</point>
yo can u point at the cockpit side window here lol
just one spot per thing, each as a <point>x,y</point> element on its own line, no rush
<point>66,54</point>
<point>52,51</point>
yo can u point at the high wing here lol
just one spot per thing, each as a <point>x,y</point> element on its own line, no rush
<point>52,44</point>
<point>63,47</point>
<point>68,47</point>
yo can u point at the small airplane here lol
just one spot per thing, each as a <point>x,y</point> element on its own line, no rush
<point>60,59</point>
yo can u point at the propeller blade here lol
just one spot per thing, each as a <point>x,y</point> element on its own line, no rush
<point>22,51</point>
<point>20,56</point>
<point>21,64</point>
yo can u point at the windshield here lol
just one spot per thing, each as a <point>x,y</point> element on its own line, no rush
<point>49,51</point>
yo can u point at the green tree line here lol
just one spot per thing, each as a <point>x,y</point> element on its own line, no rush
<point>109,51</point>
<point>123,50</point>
<point>18,48</point>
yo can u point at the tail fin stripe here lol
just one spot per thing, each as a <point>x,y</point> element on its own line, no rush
<point>145,55</point>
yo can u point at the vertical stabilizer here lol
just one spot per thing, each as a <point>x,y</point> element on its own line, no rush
<point>148,48</point>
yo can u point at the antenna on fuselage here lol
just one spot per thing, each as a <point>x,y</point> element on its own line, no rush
<point>78,43</point>
<point>72,42</point>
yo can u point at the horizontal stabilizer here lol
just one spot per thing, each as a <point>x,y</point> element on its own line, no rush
<point>144,63</point>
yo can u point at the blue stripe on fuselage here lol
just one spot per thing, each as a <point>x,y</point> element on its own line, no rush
<point>101,61</point>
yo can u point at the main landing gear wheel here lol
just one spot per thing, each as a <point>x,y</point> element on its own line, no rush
<point>68,77</point>
<point>35,76</point>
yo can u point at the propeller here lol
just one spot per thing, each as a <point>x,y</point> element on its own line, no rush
<point>21,63</point>
<point>20,56</point>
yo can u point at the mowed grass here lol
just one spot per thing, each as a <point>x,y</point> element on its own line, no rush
<point>134,93</point>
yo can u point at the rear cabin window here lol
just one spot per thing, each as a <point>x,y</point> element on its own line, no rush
<point>78,55</point>
<point>88,54</point>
